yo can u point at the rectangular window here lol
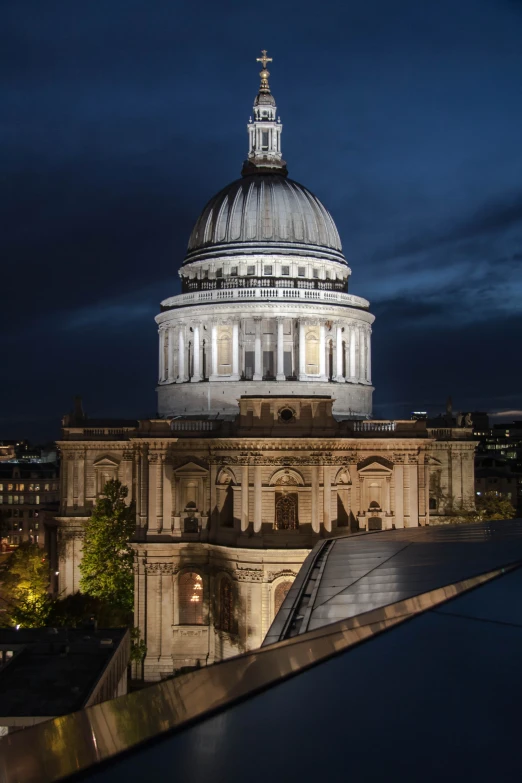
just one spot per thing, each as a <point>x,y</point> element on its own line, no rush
<point>55,487</point>
<point>327,275</point>
<point>285,270</point>
<point>36,487</point>
<point>233,270</point>
<point>219,273</point>
<point>268,270</point>
<point>1,498</point>
<point>1,487</point>
<point>37,499</point>
<point>30,514</point>
<point>36,525</point>
<point>10,499</point>
<point>20,487</point>
<point>301,272</point>
<point>15,512</point>
<point>10,487</point>
<point>264,140</point>
<point>15,499</point>
<point>21,498</point>
<point>251,270</point>
<point>31,487</point>
<point>47,487</point>
<point>316,273</point>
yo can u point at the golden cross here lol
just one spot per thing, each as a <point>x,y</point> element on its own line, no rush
<point>263,59</point>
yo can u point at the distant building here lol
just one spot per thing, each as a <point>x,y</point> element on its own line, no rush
<point>498,464</point>
<point>48,672</point>
<point>29,494</point>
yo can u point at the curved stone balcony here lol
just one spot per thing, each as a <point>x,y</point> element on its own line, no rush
<point>259,294</point>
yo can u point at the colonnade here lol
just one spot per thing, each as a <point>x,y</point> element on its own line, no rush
<point>233,349</point>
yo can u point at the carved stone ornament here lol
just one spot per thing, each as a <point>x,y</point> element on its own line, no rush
<point>398,459</point>
<point>249,574</point>
<point>284,572</point>
<point>70,535</point>
<point>157,569</point>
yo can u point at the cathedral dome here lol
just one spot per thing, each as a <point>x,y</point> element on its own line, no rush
<point>265,213</point>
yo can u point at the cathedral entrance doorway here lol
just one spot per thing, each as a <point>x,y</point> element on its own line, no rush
<point>375,523</point>
<point>286,512</point>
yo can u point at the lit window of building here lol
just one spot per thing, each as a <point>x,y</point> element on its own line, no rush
<point>190,599</point>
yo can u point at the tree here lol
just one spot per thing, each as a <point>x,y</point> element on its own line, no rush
<point>25,585</point>
<point>107,565</point>
<point>490,505</point>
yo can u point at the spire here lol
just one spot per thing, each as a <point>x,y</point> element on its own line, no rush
<point>264,132</point>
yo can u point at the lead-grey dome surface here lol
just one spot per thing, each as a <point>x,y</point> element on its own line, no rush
<point>265,213</point>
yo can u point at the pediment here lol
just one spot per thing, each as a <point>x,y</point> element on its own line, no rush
<point>106,462</point>
<point>375,468</point>
<point>190,469</point>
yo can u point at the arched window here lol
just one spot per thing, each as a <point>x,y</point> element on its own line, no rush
<point>226,606</point>
<point>280,595</point>
<point>190,599</point>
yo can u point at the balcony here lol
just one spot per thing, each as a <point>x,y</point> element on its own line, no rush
<point>263,294</point>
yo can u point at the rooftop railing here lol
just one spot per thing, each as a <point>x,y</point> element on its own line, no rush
<point>275,294</point>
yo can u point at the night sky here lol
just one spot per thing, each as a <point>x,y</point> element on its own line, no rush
<point>120,119</point>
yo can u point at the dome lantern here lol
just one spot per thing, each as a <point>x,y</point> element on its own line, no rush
<point>264,133</point>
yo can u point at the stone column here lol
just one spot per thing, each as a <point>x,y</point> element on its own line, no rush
<point>70,481</point>
<point>166,617</point>
<point>362,360</point>
<point>177,507</point>
<point>214,356</point>
<point>213,497</point>
<point>181,355</point>
<point>81,480</point>
<point>352,354</point>
<point>258,359</point>
<point>144,487</point>
<point>387,498</point>
<point>280,350</point>
<point>302,351</point>
<point>235,351</point>
<point>398,473</point>
<point>161,333</point>
<point>197,355</point>
<point>172,354</point>
<point>316,525</point>
<point>327,498</point>
<point>244,498</point>
<point>339,354</point>
<point>258,490</point>
<point>369,355</point>
<point>414,496</point>
<point>322,353</point>
<point>159,492</point>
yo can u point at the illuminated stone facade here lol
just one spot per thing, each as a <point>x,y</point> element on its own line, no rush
<point>241,503</point>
